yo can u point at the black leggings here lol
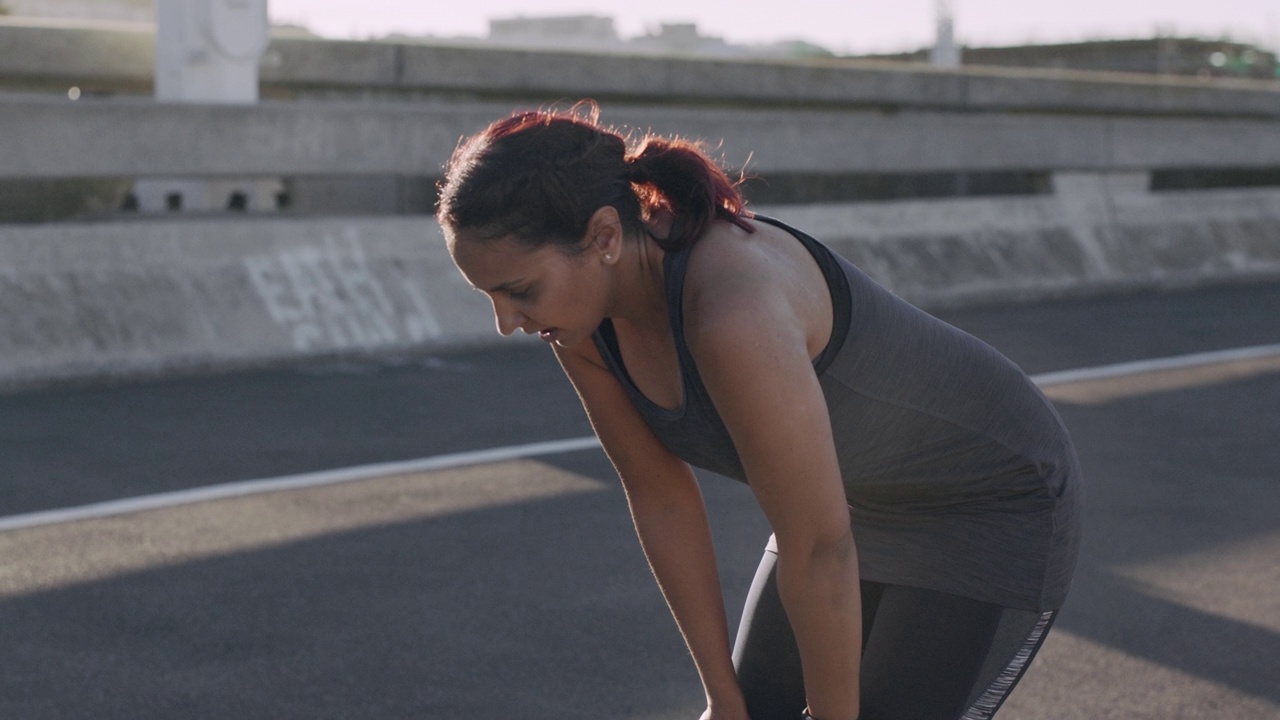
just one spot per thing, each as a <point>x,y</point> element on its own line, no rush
<point>926,655</point>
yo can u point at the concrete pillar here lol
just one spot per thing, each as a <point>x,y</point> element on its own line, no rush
<point>945,53</point>
<point>208,51</point>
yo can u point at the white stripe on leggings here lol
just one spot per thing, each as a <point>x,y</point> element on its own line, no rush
<point>991,699</point>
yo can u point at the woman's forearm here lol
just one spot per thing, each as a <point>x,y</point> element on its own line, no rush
<point>677,541</point>
<point>820,591</point>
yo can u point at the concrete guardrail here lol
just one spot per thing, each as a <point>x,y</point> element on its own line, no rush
<point>117,299</point>
<point>122,296</point>
<point>44,138</point>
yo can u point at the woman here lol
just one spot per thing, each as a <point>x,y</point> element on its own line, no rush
<point>923,494</point>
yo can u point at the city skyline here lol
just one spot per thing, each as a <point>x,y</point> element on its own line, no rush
<point>857,27</point>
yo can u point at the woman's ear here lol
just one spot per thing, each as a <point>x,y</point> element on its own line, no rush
<point>605,234</point>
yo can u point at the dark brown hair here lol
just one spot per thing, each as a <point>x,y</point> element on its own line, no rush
<point>538,177</point>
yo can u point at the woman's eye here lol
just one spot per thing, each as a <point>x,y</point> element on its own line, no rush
<point>521,294</point>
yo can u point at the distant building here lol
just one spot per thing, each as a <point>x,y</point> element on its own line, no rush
<point>564,31</point>
<point>1158,56</point>
<point>128,10</point>
<point>597,33</point>
<point>683,39</point>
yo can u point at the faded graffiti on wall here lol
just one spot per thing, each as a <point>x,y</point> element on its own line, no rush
<point>326,297</point>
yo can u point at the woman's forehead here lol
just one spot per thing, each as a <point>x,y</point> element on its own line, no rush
<point>491,263</point>
<point>491,249</point>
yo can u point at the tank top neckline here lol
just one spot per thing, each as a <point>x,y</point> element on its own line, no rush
<point>675,266</point>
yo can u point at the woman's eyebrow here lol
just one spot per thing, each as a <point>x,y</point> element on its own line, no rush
<point>501,287</point>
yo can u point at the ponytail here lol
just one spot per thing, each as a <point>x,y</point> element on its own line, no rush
<point>538,177</point>
<point>678,176</point>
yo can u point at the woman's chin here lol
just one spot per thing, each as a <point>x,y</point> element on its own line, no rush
<point>565,340</point>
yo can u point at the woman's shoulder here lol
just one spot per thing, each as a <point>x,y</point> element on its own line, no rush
<point>762,278</point>
<point>728,259</point>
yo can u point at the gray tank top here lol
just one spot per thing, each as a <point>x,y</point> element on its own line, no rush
<point>959,473</point>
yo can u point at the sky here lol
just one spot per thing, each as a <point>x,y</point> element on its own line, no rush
<point>845,27</point>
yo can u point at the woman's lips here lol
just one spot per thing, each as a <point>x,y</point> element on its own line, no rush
<point>547,334</point>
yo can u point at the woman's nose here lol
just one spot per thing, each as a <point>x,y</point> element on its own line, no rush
<point>507,319</point>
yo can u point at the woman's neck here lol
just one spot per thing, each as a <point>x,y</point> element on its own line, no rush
<point>640,298</point>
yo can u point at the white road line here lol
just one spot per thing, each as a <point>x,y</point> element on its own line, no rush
<point>453,460</point>
<point>1145,366</point>
<point>291,482</point>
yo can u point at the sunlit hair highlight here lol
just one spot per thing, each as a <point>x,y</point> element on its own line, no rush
<point>538,176</point>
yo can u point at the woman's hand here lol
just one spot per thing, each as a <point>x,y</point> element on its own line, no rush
<point>718,713</point>
<point>729,705</point>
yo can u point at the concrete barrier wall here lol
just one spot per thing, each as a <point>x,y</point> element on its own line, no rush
<point>1098,233</point>
<point>54,56</point>
<point>123,297</point>
<point>128,298</point>
<point>94,301</point>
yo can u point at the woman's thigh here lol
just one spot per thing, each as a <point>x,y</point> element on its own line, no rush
<point>765,653</point>
<point>926,654</point>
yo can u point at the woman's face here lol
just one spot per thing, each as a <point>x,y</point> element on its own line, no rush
<point>541,289</point>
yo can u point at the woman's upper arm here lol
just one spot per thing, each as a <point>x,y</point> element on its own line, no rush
<point>751,352</point>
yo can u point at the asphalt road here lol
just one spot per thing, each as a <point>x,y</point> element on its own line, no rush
<point>515,589</point>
